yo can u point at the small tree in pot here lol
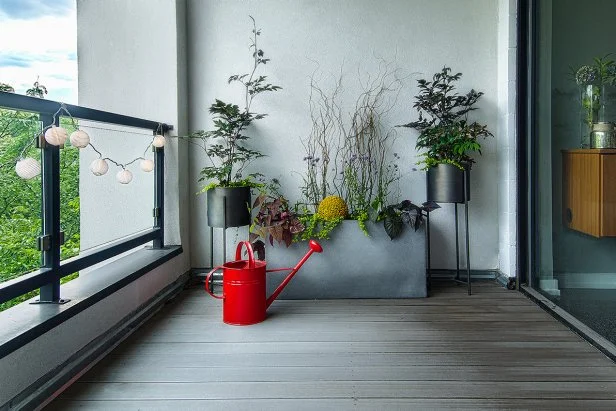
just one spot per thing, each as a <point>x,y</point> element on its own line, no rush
<point>446,137</point>
<point>226,149</point>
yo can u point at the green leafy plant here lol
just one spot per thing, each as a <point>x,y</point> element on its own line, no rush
<point>274,220</point>
<point>225,146</point>
<point>316,226</point>
<point>591,79</point>
<point>20,200</point>
<point>395,216</point>
<point>446,135</point>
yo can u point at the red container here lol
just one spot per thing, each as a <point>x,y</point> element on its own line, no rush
<point>244,301</point>
<point>243,289</point>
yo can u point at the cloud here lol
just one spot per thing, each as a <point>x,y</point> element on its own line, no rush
<point>63,77</point>
<point>33,9</point>
<point>24,59</point>
<point>14,61</point>
<point>42,46</point>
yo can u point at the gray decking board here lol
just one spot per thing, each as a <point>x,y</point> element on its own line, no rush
<point>492,350</point>
<point>359,404</point>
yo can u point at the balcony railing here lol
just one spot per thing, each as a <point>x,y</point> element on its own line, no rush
<point>52,269</point>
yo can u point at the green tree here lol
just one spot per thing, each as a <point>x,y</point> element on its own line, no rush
<point>20,200</point>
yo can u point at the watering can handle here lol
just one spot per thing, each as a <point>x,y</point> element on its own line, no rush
<point>251,255</point>
<point>207,283</point>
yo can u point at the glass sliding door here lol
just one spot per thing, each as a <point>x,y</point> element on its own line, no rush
<point>572,147</point>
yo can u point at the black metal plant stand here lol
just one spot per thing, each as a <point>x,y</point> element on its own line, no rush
<point>468,264</point>
<point>227,208</point>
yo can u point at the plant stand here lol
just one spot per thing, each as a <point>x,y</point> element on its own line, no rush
<point>227,208</point>
<point>468,264</point>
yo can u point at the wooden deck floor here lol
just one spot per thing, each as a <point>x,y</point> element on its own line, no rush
<point>492,350</point>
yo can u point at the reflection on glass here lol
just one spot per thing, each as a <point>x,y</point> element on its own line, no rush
<point>574,184</point>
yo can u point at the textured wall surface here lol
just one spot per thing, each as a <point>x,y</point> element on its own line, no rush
<point>324,38</point>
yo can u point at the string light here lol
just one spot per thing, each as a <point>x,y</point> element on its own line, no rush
<point>56,136</point>
<point>146,165</point>
<point>99,167</point>
<point>158,141</point>
<point>79,139</point>
<point>28,167</point>
<point>124,176</point>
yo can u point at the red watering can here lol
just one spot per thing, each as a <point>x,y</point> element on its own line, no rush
<point>243,296</point>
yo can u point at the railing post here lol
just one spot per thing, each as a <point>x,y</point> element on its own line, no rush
<point>159,195</point>
<point>51,239</point>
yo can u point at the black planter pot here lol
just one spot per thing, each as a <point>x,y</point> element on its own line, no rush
<point>445,184</point>
<point>228,206</point>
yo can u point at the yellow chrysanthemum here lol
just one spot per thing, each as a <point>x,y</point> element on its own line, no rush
<point>332,207</point>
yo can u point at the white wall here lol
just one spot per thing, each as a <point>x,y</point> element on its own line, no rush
<point>131,61</point>
<point>419,36</point>
<point>506,136</point>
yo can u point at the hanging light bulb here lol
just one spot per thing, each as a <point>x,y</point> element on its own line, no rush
<point>146,165</point>
<point>28,168</point>
<point>124,176</point>
<point>99,167</point>
<point>56,136</point>
<point>159,141</point>
<point>80,139</point>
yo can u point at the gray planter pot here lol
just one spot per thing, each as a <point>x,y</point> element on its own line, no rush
<point>353,265</point>
<point>445,184</point>
<point>228,207</point>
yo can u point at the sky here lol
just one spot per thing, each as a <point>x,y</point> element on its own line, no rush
<point>38,38</point>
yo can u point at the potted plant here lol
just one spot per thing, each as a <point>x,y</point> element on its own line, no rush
<point>349,193</point>
<point>228,187</point>
<point>447,137</point>
<point>596,82</point>
<point>274,220</point>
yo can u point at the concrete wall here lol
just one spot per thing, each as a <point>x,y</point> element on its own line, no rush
<point>506,136</point>
<point>301,37</point>
<point>131,61</point>
<point>135,66</point>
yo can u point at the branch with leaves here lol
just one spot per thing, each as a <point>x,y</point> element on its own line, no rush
<point>446,134</point>
<point>225,146</point>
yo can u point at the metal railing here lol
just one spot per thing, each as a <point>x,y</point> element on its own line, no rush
<point>52,269</point>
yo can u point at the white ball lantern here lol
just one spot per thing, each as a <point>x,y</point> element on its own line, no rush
<point>28,168</point>
<point>99,167</point>
<point>146,165</point>
<point>159,141</point>
<point>124,176</point>
<point>56,136</point>
<point>80,139</point>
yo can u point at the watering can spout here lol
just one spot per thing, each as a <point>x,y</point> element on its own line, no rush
<point>314,248</point>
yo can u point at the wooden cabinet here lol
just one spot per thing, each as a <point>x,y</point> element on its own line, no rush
<point>589,191</point>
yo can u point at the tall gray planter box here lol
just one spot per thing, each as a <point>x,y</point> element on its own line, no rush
<point>353,265</point>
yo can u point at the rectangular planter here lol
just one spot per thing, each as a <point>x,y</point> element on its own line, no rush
<point>353,265</point>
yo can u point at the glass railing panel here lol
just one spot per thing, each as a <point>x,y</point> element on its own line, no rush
<point>110,207</point>
<point>20,197</point>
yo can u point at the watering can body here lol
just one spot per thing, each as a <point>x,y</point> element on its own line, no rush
<point>244,286</point>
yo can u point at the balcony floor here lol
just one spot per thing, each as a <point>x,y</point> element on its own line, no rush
<point>492,350</point>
